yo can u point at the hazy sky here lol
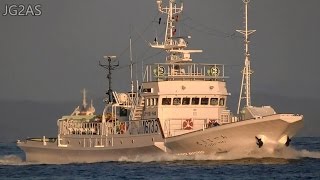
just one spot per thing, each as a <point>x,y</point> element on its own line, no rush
<point>53,56</point>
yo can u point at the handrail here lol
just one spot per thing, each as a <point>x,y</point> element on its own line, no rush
<point>185,71</point>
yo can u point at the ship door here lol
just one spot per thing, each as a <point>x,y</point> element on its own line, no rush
<point>122,114</point>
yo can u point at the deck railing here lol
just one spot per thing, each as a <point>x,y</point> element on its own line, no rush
<point>177,126</point>
<point>184,71</point>
<point>80,128</point>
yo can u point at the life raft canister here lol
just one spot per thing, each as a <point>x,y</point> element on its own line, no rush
<point>213,122</point>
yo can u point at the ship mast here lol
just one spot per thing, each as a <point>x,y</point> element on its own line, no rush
<point>109,67</point>
<point>171,10</point>
<point>84,99</point>
<point>174,45</point>
<point>131,66</point>
<point>245,92</point>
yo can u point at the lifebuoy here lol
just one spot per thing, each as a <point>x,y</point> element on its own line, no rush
<point>188,124</point>
<point>158,71</point>
<point>213,71</point>
<point>213,122</point>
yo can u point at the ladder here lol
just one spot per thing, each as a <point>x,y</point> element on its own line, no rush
<point>137,110</point>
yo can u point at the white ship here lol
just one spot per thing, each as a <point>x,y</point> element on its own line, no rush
<point>179,109</point>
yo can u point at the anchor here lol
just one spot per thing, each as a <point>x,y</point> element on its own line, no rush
<point>288,141</point>
<point>259,142</point>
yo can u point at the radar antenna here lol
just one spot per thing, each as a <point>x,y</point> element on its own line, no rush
<point>109,67</point>
<point>174,45</point>
<point>246,72</point>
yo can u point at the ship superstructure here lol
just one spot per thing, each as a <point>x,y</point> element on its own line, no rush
<point>180,108</point>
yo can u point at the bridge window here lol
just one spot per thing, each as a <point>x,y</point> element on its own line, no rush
<point>148,102</point>
<point>166,101</point>
<point>195,101</point>
<point>176,101</point>
<point>123,112</point>
<point>221,102</point>
<point>186,101</point>
<point>152,101</point>
<point>147,90</point>
<point>204,101</point>
<point>156,101</point>
<point>214,101</point>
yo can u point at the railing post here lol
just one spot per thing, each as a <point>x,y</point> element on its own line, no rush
<point>44,140</point>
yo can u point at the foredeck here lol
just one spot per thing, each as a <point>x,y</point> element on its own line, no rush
<point>184,71</point>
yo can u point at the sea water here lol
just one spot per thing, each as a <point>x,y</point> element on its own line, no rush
<point>300,161</point>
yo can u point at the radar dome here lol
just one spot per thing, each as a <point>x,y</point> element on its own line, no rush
<point>123,98</point>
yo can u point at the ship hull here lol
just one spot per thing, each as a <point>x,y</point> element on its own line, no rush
<point>272,130</point>
<point>53,155</point>
<point>122,147</point>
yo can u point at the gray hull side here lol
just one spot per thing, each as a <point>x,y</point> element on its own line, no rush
<point>51,154</point>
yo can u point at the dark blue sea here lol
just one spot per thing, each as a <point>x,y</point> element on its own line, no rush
<point>300,161</point>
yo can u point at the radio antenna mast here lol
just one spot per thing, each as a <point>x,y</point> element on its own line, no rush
<point>131,65</point>
<point>173,45</point>
<point>245,91</point>
<point>109,67</point>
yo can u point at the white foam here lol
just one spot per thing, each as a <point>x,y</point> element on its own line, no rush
<point>13,160</point>
<point>285,154</point>
<point>309,154</point>
<point>236,154</point>
<point>10,160</point>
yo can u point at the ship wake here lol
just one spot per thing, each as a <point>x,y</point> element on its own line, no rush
<point>11,160</point>
<point>237,156</point>
<point>260,156</point>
